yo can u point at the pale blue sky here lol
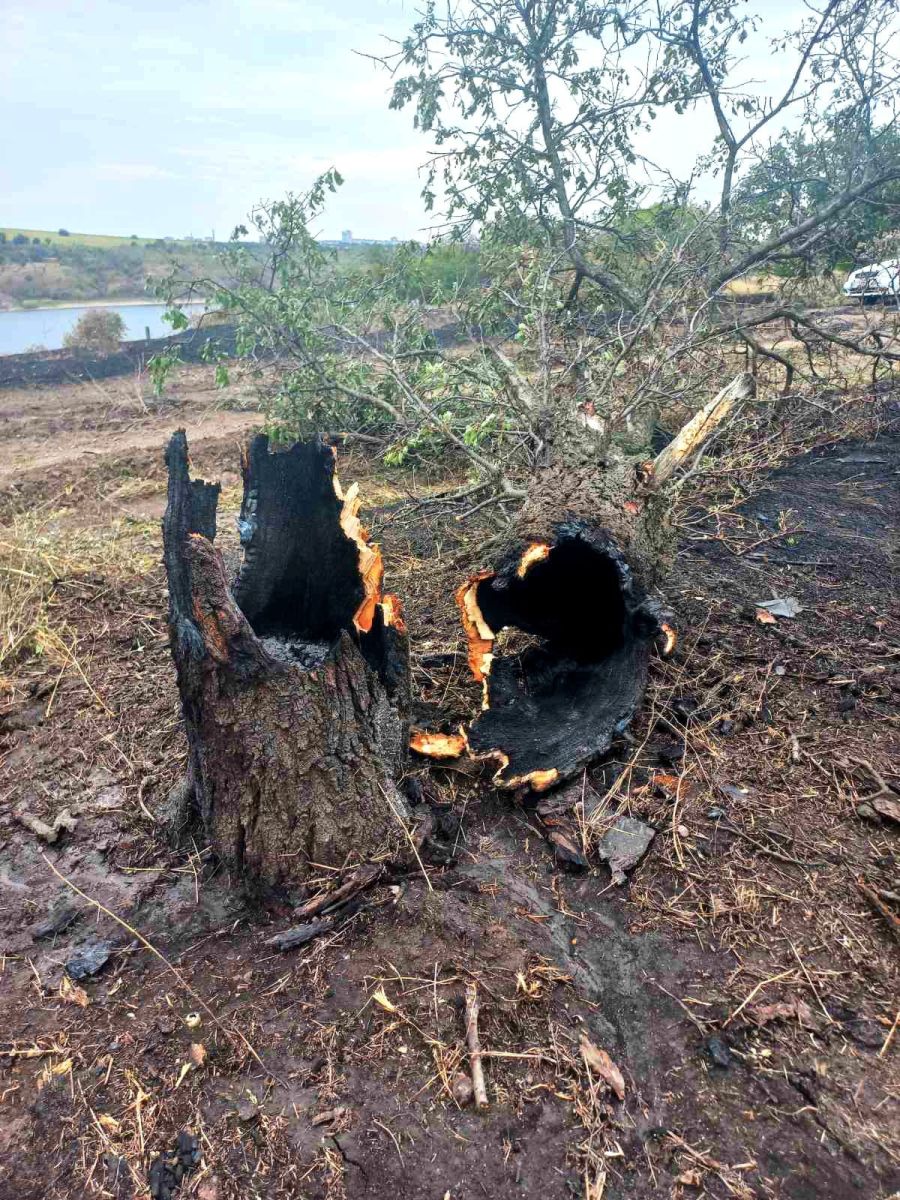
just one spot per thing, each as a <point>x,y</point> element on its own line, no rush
<point>173,118</point>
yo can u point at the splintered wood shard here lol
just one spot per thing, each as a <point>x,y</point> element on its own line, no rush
<point>294,677</point>
<point>438,745</point>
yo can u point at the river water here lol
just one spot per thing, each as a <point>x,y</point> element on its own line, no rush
<point>45,328</point>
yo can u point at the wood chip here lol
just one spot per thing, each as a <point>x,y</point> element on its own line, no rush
<point>762,1014</point>
<point>329,1116</point>
<point>885,807</point>
<point>362,878</point>
<point>599,1062</point>
<point>48,833</point>
<point>299,935</point>
<point>72,993</point>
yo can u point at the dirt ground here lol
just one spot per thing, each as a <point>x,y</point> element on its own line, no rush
<point>744,981</point>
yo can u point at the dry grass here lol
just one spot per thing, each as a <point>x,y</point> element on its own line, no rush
<point>753,285</point>
<point>37,553</point>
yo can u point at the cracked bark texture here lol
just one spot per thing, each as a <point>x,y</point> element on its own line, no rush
<point>297,728</point>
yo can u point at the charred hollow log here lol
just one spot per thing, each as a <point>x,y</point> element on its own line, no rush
<point>560,637</point>
<point>560,633</point>
<point>294,676</point>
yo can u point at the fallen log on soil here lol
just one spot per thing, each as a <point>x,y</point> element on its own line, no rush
<point>294,677</point>
<point>560,632</point>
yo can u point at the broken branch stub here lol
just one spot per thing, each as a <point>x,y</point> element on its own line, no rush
<point>692,436</point>
<point>294,679</point>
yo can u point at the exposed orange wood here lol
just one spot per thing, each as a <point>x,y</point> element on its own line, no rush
<point>535,553</point>
<point>671,637</point>
<point>371,566</point>
<point>538,781</point>
<point>438,745</point>
<point>392,608</point>
<point>479,634</point>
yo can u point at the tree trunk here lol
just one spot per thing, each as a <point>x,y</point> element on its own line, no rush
<point>560,632</point>
<point>294,679</point>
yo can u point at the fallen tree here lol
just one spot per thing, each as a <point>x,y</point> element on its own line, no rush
<point>294,676</point>
<point>579,577</point>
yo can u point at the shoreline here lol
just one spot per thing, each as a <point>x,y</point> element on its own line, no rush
<point>64,304</point>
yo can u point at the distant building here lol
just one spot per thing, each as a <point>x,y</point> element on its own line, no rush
<point>347,239</point>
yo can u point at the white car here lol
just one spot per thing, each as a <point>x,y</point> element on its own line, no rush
<point>880,280</point>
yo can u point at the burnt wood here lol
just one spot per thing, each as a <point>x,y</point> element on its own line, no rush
<point>554,706</point>
<point>294,678</point>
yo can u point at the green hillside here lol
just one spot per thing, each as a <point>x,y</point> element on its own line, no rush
<point>54,237</point>
<point>38,267</point>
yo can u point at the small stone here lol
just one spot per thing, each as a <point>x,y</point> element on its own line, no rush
<point>167,1171</point>
<point>685,707</point>
<point>187,1151</point>
<point>247,1110</point>
<point>59,918</point>
<point>624,845</point>
<point>566,852</point>
<point>88,960</point>
<point>739,792</point>
<point>413,789</point>
<point>718,1053</point>
<point>867,812</point>
<point>462,1089</point>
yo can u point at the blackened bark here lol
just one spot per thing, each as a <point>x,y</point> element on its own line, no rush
<point>294,681</point>
<point>577,583</point>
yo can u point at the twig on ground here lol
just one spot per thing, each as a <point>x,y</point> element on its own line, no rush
<point>890,1037</point>
<point>409,837</point>
<point>474,1043</point>
<point>763,849</point>
<point>880,907</point>
<point>230,1034</point>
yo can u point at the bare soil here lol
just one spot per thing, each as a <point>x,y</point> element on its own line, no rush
<point>742,982</point>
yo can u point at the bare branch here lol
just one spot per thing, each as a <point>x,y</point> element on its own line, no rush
<point>701,426</point>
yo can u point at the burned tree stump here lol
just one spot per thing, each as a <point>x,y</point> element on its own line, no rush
<point>294,676</point>
<point>560,632</point>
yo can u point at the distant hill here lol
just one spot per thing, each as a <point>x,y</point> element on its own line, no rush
<point>40,267</point>
<point>56,237</point>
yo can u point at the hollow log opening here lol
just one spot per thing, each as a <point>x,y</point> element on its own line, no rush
<point>294,678</point>
<point>560,637</point>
